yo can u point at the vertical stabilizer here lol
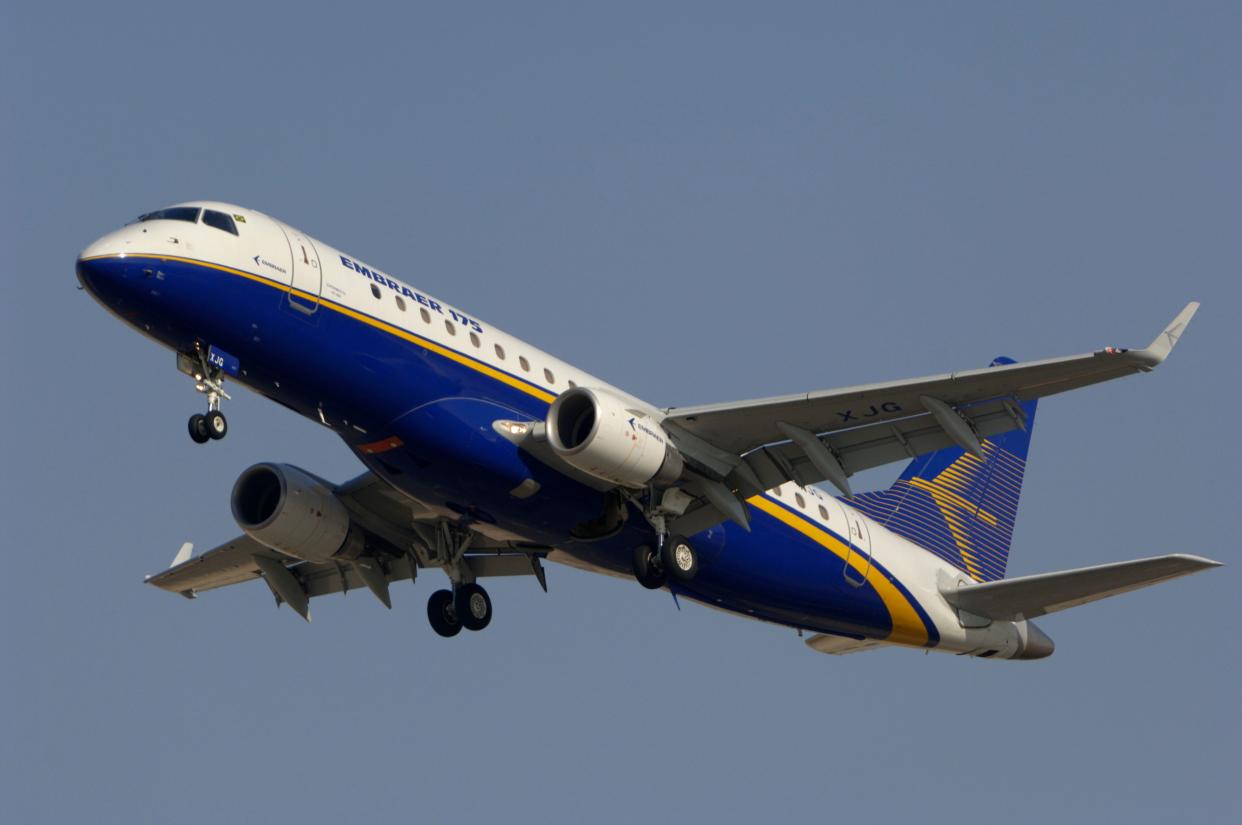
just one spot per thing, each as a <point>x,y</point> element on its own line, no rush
<point>957,505</point>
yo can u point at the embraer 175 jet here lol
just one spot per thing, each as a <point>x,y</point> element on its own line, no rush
<point>485,456</point>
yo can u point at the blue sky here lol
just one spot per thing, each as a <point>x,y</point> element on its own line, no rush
<point>697,202</point>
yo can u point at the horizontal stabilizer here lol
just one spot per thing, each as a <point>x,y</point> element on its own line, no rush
<point>841,645</point>
<point>1031,596</point>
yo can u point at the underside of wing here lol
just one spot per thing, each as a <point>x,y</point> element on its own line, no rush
<point>401,537</point>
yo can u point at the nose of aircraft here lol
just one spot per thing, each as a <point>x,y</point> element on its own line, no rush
<point>1038,645</point>
<point>97,273</point>
<point>101,266</point>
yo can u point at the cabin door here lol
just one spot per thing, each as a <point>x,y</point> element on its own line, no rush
<point>307,281</point>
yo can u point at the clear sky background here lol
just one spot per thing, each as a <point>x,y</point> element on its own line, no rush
<point>698,203</point>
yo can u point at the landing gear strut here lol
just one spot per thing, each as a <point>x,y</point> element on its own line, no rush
<point>209,380</point>
<point>673,557</point>
<point>467,604</point>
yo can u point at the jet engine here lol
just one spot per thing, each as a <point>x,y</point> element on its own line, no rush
<point>593,431</point>
<point>292,512</point>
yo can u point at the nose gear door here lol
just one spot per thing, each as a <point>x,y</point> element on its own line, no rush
<point>307,274</point>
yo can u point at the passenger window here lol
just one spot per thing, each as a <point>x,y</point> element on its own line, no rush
<point>572,385</point>
<point>400,302</point>
<point>525,364</point>
<point>375,291</point>
<point>175,213</point>
<point>823,512</point>
<point>547,373</point>
<point>452,330</point>
<point>426,316</point>
<point>500,352</point>
<point>219,220</point>
<point>801,501</point>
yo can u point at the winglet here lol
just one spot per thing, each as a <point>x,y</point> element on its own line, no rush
<point>1160,348</point>
<point>183,555</point>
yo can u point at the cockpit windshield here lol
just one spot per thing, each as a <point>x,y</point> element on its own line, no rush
<point>219,220</point>
<point>173,213</point>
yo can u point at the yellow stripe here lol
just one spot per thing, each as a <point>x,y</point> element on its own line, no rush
<point>452,355</point>
<point>908,628</point>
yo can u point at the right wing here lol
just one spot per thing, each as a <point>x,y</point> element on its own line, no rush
<point>394,525</point>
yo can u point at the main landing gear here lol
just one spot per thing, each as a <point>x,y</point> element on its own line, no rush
<point>209,380</point>
<point>468,606</point>
<point>675,559</point>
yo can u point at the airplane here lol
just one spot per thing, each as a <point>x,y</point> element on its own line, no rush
<point>486,457</point>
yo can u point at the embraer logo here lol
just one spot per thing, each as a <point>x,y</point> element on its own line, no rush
<point>643,428</point>
<point>260,261</point>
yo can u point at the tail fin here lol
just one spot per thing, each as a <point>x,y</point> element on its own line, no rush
<point>960,507</point>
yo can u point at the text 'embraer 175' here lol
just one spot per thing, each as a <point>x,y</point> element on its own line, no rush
<point>486,457</point>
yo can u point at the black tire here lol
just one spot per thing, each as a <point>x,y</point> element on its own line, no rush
<point>442,615</point>
<point>679,558</point>
<point>198,429</point>
<point>473,606</point>
<point>647,567</point>
<point>217,424</point>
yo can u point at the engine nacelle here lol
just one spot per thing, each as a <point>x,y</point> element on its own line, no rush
<point>292,512</point>
<point>593,431</point>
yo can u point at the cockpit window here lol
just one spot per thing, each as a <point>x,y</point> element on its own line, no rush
<point>173,213</point>
<point>219,220</point>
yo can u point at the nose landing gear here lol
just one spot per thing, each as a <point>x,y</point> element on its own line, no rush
<point>209,380</point>
<point>204,428</point>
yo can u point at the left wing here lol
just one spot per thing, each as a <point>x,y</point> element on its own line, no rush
<point>751,446</point>
<point>741,426</point>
